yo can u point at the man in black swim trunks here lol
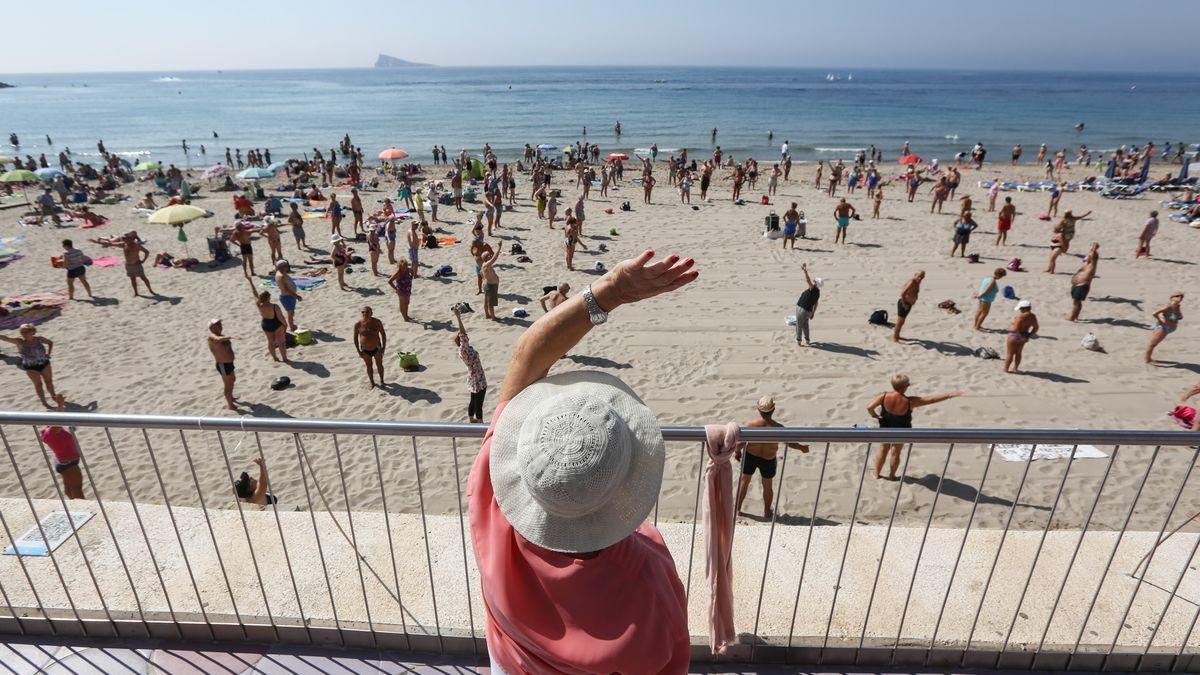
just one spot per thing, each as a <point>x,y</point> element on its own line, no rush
<point>221,347</point>
<point>1081,282</point>
<point>370,341</point>
<point>761,456</point>
<point>908,298</point>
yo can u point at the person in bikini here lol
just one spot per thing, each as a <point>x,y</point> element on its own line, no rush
<point>1081,281</point>
<point>894,410</point>
<point>273,322</point>
<point>908,298</point>
<point>1166,321</point>
<point>370,341</point>
<point>760,457</point>
<point>1023,328</point>
<point>221,347</point>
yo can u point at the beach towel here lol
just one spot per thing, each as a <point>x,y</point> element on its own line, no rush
<point>107,261</point>
<point>720,444</point>
<point>302,283</point>
<point>33,315</point>
<point>1019,452</point>
<point>447,241</point>
<point>1185,415</point>
<point>100,220</point>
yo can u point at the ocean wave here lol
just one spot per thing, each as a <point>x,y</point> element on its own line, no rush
<point>839,149</point>
<point>123,153</point>
<point>646,151</point>
<point>167,79</point>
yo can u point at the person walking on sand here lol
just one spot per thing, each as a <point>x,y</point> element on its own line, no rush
<point>963,227</point>
<point>370,343</point>
<point>221,347</point>
<point>1081,281</point>
<point>66,453</point>
<point>491,281</point>
<point>1023,328</point>
<point>1148,231</point>
<point>908,298</point>
<point>1005,221</point>
<point>476,379</point>
<point>1166,321</point>
<point>791,226</point>
<point>760,457</point>
<point>288,294</point>
<point>34,352</point>
<point>75,263</point>
<point>806,306</point>
<point>842,214</point>
<point>273,323</point>
<point>988,290</point>
<point>374,248</point>
<point>894,410</point>
<point>401,281</point>
<point>1064,233</point>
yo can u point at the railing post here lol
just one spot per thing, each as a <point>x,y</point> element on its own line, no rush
<point>301,458</point>
<point>812,521</point>
<point>862,638</point>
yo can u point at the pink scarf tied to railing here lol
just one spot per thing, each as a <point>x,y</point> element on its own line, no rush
<point>718,523</point>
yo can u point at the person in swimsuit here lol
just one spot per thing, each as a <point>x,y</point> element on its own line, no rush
<point>1055,196</point>
<point>270,229</point>
<point>1166,321</point>
<point>356,208</point>
<point>75,263</point>
<point>571,233</point>
<point>251,491</point>
<point>297,222</point>
<point>135,256</point>
<point>221,347</point>
<point>491,281</point>
<point>993,192</point>
<point>340,256</point>
<point>288,294</point>
<point>374,249</point>
<point>414,247</point>
<point>1081,281</point>
<point>1065,232</point>
<point>791,225</point>
<point>273,323</point>
<point>894,410</point>
<point>1023,328</point>
<point>241,235</point>
<point>66,454</point>
<point>401,281</point>
<point>1148,231</point>
<point>370,341</point>
<point>34,351</point>
<point>963,228</point>
<point>555,297</point>
<point>335,215</point>
<point>760,457</point>
<point>1005,221</point>
<point>908,298</point>
<point>390,237</point>
<point>842,213</point>
<point>987,294</point>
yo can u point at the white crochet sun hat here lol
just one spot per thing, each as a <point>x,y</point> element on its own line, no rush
<point>576,461</point>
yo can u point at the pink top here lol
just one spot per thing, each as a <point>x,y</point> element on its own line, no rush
<point>61,442</point>
<point>622,611</point>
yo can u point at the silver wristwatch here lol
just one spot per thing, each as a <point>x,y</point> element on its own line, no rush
<point>595,314</point>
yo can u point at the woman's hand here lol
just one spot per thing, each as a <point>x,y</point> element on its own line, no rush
<point>634,279</point>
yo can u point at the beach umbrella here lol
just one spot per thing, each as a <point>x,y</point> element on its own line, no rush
<point>21,176</point>
<point>546,147</point>
<point>910,159</point>
<point>393,153</point>
<point>255,173</point>
<point>617,155</point>
<point>148,166</point>
<point>5,159</point>
<point>49,174</point>
<point>277,166</point>
<point>177,214</point>
<point>215,171</point>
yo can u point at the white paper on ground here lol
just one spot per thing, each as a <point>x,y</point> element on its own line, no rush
<point>57,529</point>
<point>1019,452</point>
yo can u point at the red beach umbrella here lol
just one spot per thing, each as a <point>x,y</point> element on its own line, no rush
<point>393,153</point>
<point>617,155</point>
<point>910,159</point>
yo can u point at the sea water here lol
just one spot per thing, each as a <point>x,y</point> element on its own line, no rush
<point>823,115</point>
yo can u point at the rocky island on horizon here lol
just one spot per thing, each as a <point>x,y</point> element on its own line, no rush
<point>385,61</point>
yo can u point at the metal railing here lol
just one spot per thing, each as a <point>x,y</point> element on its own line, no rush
<point>1060,564</point>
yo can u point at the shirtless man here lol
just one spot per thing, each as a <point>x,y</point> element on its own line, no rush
<point>491,281</point>
<point>456,183</point>
<point>414,247</point>
<point>1081,281</point>
<point>135,256</point>
<point>555,297</point>
<point>241,236</point>
<point>842,213</point>
<point>1007,213</point>
<point>908,298</point>
<point>288,295</point>
<point>1024,327</point>
<point>356,208</point>
<point>221,347</point>
<point>760,457</point>
<point>791,226</point>
<point>370,341</point>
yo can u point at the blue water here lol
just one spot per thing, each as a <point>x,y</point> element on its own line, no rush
<point>293,111</point>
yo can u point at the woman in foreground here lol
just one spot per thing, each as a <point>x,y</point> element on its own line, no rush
<point>894,410</point>
<point>573,578</point>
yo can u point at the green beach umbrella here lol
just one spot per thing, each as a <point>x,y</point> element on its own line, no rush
<point>255,173</point>
<point>148,166</point>
<point>177,214</point>
<point>21,176</point>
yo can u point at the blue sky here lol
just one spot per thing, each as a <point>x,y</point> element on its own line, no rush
<point>77,36</point>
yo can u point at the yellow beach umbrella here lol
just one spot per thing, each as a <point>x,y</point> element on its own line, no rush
<point>177,214</point>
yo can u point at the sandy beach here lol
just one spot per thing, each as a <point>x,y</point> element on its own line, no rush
<point>701,356</point>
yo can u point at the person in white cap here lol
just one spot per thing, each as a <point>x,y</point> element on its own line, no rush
<point>573,577</point>
<point>806,306</point>
<point>760,457</point>
<point>1024,327</point>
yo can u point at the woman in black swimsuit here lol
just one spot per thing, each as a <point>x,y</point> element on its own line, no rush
<point>274,324</point>
<point>895,412</point>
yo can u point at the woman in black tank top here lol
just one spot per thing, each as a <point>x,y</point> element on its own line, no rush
<point>894,410</point>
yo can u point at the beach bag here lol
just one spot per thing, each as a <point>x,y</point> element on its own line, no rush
<point>772,221</point>
<point>289,339</point>
<point>612,231</point>
<point>443,271</point>
<point>1185,415</point>
<point>524,259</point>
<point>599,266</point>
<point>408,361</point>
<point>878,318</point>
<point>765,200</point>
<point>973,258</point>
<point>987,353</point>
<point>626,207</point>
<point>609,211</point>
<point>304,336</point>
<point>1090,343</point>
<point>461,308</point>
<point>1014,265</point>
<point>949,306</point>
<point>431,241</point>
<point>516,249</point>
<point>519,312</point>
<point>1010,293</point>
<point>282,382</point>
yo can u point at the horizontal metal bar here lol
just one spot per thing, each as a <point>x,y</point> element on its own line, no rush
<point>778,434</point>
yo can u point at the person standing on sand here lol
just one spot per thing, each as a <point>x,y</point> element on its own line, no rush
<point>908,298</point>
<point>1023,328</point>
<point>842,214</point>
<point>555,297</point>
<point>242,236</point>
<point>791,226</point>
<point>135,256</point>
<point>356,208</point>
<point>963,227</point>
<point>491,281</point>
<point>940,191</point>
<point>894,410</point>
<point>1148,231</point>
<point>988,289</point>
<point>66,453</point>
<point>1081,281</point>
<point>34,352</point>
<point>273,321</point>
<point>1056,193</point>
<point>1005,221</point>
<point>221,347</point>
<point>876,203</point>
<point>476,378</point>
<point>1167,320</point>
<point>414,247</point>
<point>760,457</point>
<point>571,234</point>
<point>75,263</point>
<point>335,214</point>
<point>370,342</point>
<point>401,281</point>
<point>806,306</point>
<point>993,192</point>
<point>1065,232</point>
<point>297,222</point>
<point>456,183</point>
<point>288,295</point>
